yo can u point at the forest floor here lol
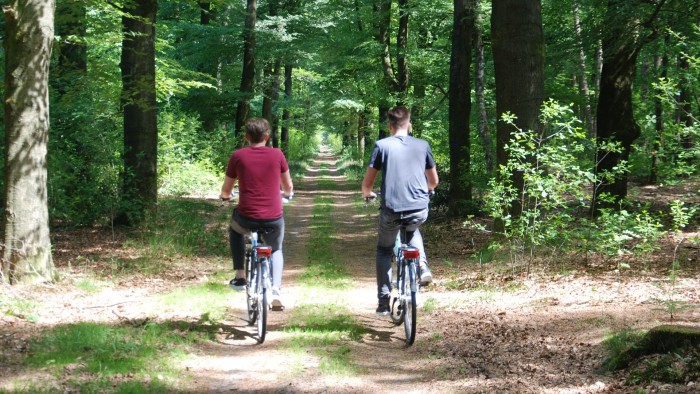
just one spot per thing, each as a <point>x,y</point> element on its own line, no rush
<point>489,327</point>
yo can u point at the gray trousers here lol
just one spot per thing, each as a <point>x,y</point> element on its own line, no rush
<point>388,230</point>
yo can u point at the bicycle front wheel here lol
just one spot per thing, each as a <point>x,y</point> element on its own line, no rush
<point>409,303</point>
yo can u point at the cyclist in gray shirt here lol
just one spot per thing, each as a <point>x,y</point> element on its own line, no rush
<point>408,177</point>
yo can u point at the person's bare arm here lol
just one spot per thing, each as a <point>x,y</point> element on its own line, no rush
<point>432,177</point>
<point>286,181</point>
<point>368,182</point>
<point>227,188</point>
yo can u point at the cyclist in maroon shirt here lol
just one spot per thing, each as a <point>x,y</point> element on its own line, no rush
<point>260,171</point>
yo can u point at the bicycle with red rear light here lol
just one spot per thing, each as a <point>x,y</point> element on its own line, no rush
<point>259,280</point>
<point>405,283</point>
<point>405,279</point>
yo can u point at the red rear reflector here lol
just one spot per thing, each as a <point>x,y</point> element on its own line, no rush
<point>264,251</point>
<point>411,253</point>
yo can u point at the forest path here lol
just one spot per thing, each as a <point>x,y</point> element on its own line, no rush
<point>379,361</point>
<point>476,333</point>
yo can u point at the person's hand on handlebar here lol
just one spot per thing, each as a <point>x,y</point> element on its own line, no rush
<point>370,196</point>
<point>223,197</point>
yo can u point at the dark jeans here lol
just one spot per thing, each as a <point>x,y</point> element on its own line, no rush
<point>273,239</point>
<point>388,229</point>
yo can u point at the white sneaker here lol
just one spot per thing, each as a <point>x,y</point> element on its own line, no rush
<point>426,277</point>
<point>276,300</point>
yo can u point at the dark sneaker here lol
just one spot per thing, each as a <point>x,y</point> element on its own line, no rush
<point>426,277</point>
<point>237,283</point>
<point>383,310</point>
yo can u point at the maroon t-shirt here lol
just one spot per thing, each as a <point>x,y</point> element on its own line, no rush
<point>258,171</point>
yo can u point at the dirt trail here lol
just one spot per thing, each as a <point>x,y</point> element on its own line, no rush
<point>482,331</point>
<point>536,338</point>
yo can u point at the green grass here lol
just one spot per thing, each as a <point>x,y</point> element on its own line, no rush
<point>324,269</point>
<point>325,330</point>
<point>100,353</point>
<point>619,343</point>
<point>21,308</point>
<point>179,229</point>
<point>209,299</point>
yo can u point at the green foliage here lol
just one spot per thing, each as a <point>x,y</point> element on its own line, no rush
<point>620,232</point>
<point>178,229</point>
<point>186,160</point>
<point>681,214</point>
<point>555,178</point>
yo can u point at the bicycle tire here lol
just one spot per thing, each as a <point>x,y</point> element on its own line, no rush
<point>263,292</point>
<point>409,303</point>
<point>250,289</point>
<point>396,296</point>
<point>262,316</point>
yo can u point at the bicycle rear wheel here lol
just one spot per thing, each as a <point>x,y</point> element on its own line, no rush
<point>263,293</point>
<point>262,316</point>
<point>250,290</point>
<point>409,303</point>
<point>396,304</point>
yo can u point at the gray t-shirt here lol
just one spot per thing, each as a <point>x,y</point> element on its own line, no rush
<point>403,161</point>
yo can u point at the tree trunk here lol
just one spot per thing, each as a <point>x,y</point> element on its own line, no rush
<point>26,249</point>
<point>583,84</point>
<point>286,118</point>
<point>140,177</point>
<point>401,49</point>
<point>615,116</point>
<point>661,65</point>
<point>684,113</point>
<point>460,193</point>
<point>204,12</point>
<point>383,11</point>
<point>479,84</point>
<point>248,75</point>
<point>383,108</point>
<point>518,55</point>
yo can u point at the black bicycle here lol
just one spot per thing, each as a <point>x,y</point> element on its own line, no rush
<point>406,284</point>
<point>259,278</point>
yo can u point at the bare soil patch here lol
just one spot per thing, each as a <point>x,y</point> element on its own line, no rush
<point>487,328</point>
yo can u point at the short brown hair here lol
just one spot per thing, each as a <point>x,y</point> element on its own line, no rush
<point>399,116</point>
<point>256,129</point>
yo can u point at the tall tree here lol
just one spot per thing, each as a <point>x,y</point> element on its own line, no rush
<point>26,249</point>
<point>140,178</point>
<point>479,89</point>
<point>583,77</point>
<point>460,107</point>
<point>286,113</point>
<point>248,75</point>
<point>615,113</point>
<point>518,55</point>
